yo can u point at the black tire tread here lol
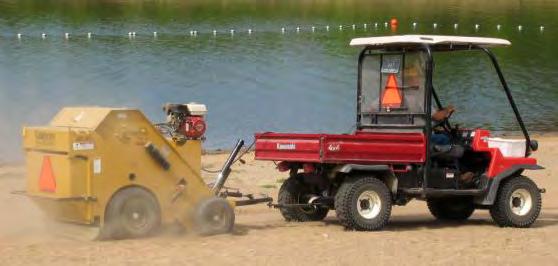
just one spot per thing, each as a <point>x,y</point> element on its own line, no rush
<point>113,229</point>
<point>441,208</point>
<point>287,195</point>
<point>344,199</point>
<point>500,212</point>
<point>209,205</point>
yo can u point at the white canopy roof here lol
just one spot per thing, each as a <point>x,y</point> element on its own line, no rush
<point>440,41</point>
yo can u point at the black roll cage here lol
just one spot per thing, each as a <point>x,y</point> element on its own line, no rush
<point>429,90</point>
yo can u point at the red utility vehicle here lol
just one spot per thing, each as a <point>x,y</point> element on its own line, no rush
<point>404,149</point>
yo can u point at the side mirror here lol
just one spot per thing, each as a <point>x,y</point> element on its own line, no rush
<point>534,145</point>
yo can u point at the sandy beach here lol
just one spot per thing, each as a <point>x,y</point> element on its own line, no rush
<point>262,237</point>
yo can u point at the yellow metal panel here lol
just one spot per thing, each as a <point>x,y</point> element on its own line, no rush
<point>47,138</point>
<point>124,134</point>
<point>80,117</point>
<point>71,173</point>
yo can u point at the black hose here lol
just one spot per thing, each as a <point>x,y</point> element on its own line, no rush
<point>210,171</point>
<point>236,160</point>
<point>245,151</point>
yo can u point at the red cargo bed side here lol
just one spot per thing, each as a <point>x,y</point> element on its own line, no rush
<point>368,147</point>
<point>288,147</point>
<point>361,147</point>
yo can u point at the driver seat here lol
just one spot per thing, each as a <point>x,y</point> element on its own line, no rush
<point>448,152</point>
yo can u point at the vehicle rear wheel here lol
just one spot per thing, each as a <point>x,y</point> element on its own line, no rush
<point>214,216</point>
<point>454,208</point>
<point>518,203</point>
<point>363,204</point>
<point>131,213</point>
<point>293,191</point>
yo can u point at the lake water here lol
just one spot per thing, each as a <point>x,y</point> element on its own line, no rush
<point>266,80</point>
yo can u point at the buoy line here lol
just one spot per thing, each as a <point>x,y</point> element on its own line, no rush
<point>393,24</point>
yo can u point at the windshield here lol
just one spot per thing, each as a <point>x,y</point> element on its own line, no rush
<point>392,89</point>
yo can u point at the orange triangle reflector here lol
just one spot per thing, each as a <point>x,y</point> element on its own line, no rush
<point>47,181</point>
<point>391,97</point>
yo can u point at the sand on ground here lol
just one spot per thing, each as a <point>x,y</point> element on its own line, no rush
<point>262,237</point>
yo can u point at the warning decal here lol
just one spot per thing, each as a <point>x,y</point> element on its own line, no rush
<point>47,181</point>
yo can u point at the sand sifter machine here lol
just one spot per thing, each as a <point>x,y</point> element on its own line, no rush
<point>116,173</point>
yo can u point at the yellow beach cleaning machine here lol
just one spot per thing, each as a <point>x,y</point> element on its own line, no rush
<point>113,170</point>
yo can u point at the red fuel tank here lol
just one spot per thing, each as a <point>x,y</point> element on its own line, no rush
<point>193,127</point>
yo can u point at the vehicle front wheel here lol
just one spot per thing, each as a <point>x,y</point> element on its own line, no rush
<point>518,203</point>
<point>294,191</point>
<point>363,204</point>
<point>454,208</point>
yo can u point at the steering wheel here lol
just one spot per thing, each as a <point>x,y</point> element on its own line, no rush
<point>445,124</point>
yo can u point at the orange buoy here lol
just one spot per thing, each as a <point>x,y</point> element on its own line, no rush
<point>393,25</point>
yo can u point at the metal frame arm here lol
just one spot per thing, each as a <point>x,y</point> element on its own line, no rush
<point>510,99</point>
<point>428,107</point>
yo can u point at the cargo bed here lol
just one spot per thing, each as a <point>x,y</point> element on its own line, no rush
<point>360,147</point>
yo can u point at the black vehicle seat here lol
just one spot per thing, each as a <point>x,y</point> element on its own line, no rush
<point>447,152</point>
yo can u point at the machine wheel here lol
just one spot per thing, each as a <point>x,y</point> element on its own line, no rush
<point>363,204</point>
<point>517,204</point>
<point>294,191</point>
<point>131,213</point>
<point>454,208</point>
<point>214,216</point>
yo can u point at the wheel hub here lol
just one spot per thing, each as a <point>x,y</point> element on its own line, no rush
<point>313,198</point>
<point>216,217</point>
<point>521,202</point>
<point>369,204</point>
<point>136,214</point>
<point>137,219</point>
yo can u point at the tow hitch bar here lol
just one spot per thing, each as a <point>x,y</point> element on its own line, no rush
<point>323,202</point>
<point>250,198</point>
<point>224,174</point>
<point>300,205</point>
